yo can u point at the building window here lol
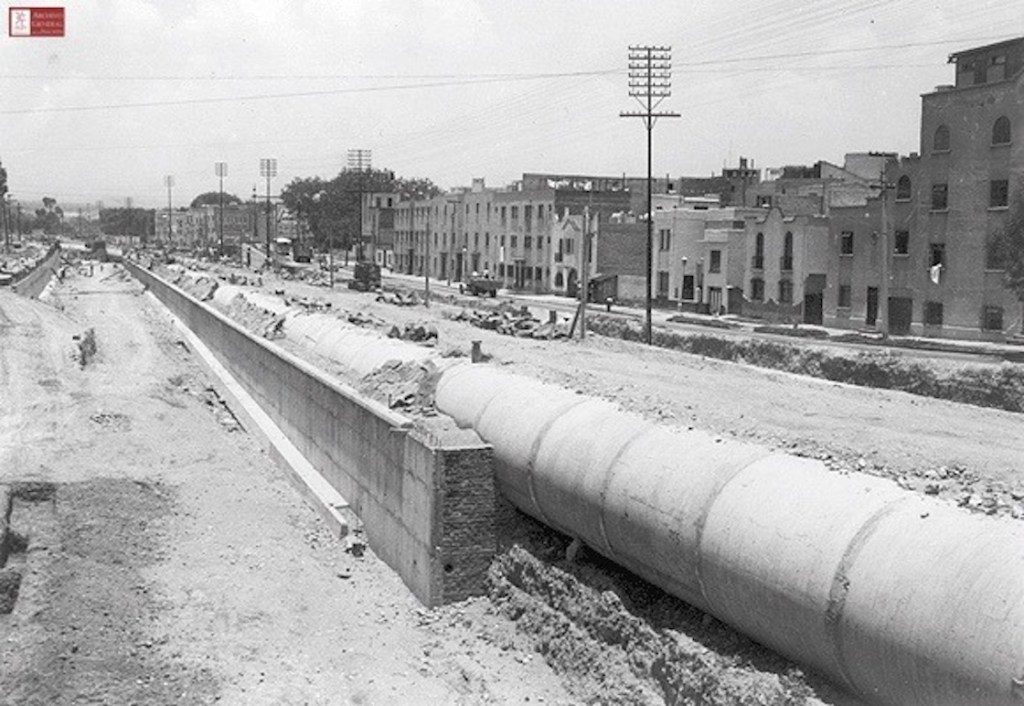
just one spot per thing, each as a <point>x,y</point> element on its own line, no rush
<point>940,143</point>
<point>759,252</point>
<point>940,197</point>
<point>785,292</point>
<point>540,212</point>
<point>716,261</point>
<point>992,318</point>
<point>999,193</point>
<point>757,289</point>
<point>937,255</point>
<point>845,294</point>
<point>515,215</point>
<point>1001,131</point>
<point>846,243</point>
<point>664,239</point>
<point>513,238</point>
<point>503,218</point>
<point>933,313</point>
<point>528,242</point>
<point>903,188</point>
<point>502,241</point>
<point>487,240</point>
<point>528,216</point>
<point>901,243</point>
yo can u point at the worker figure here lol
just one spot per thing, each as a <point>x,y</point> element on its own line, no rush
<point>487,273</point>
<point>608,304</point>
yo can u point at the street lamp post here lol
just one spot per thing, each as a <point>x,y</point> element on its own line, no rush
<point>221,169</point>
<point>169,183</point>
<point>268,169</point>
<point>682,281</point>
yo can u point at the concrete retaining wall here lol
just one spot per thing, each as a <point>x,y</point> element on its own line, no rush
<point>427,503</point>
<point>32,283</point>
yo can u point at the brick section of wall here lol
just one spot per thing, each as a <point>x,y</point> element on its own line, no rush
<point>465,529</point>
<point>427,506</point>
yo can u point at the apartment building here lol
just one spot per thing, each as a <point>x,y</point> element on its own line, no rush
<point>507,232</point>
<point>943,208</point>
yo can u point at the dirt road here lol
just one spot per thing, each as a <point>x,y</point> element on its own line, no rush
<point>166,560</point>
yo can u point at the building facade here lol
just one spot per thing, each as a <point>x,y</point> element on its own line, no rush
<point>927,250</point>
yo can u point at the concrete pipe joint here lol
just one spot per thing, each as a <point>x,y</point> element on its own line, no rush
<point>903,599</point>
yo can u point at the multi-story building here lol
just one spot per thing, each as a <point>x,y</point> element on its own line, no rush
<point>507,232</point>
<point>941,212</point>
<point>786,266</point>
<point>698,257</point>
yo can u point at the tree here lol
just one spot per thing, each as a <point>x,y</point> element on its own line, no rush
<point>48,218</point>
<point>331,208</point>
<point>212,198</point>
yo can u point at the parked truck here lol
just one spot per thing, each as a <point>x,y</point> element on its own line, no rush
<point>483,286</point>
<point>365,277</point>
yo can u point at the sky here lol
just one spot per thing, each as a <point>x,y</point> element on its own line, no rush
<point>456,89</point>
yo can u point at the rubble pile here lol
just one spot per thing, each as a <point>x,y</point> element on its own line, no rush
<point>409,386</point>
<point>400,297</point>
<point>417,332</point>
<point>510,321</point>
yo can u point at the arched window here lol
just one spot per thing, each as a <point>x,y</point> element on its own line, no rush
<point>558,280</point>
<point>787,245</point>
<point>903,188</point>
<point>1001,131</point>
<point>941,141</point>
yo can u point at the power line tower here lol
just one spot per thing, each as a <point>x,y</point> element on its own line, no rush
<point>650,83</point>
<point>361,161</point>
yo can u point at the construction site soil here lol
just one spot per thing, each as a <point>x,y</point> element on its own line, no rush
<point>612,637</point>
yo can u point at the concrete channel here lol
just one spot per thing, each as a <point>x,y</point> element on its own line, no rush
<point>904,599</point>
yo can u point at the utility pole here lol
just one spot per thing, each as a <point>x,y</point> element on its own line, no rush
<point>882,320</point>
<point>585,291</point>
<point>268,169</point>
<point>221,170</point>
<point>650,82</point>
<point>360,161</point>
<point>426,263</point>
<point>169,183</point>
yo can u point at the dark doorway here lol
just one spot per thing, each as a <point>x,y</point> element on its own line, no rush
<point>813,306</point>
<point>687,288</point>
<point>814,299</point>
<point>871,314</point>
<point>572,287</point>
<point>901,311</point>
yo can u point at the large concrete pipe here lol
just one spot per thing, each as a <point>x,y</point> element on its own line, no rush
<point>904,599</point>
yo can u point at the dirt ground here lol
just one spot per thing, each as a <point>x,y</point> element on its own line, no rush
<point>968,455</point>
<point>168,561</point>
<point>163,559</point>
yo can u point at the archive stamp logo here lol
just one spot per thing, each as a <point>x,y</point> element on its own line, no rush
<point>35,22</point>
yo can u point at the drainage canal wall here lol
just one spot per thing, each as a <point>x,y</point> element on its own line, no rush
<point>31,283</point>
<point>425,499</point>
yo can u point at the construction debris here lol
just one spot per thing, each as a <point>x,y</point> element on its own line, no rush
<point>513,322</point>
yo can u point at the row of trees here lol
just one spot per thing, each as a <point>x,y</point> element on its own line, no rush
<point>330,208</point>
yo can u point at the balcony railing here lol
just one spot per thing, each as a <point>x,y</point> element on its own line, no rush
<point>786,263</point>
